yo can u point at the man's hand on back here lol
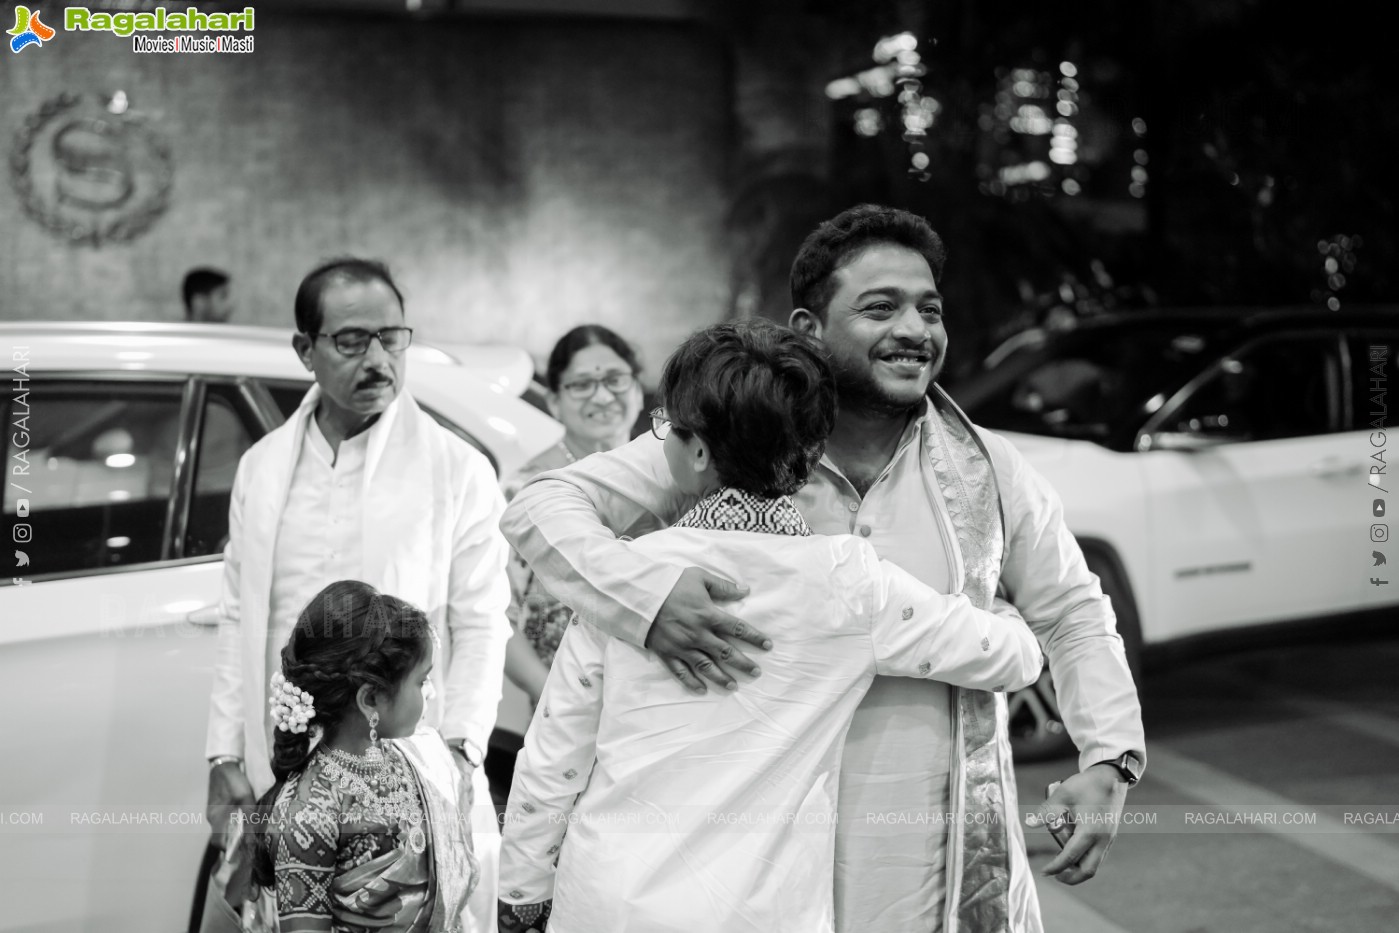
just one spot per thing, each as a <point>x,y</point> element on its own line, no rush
<point>698,641</point>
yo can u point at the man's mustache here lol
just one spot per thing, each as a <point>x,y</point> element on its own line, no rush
<point>373,381</point>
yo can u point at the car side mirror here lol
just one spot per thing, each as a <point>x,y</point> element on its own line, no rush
<point>1181,440</point>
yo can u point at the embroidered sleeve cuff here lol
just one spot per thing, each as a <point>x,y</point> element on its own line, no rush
<point>515,917</point>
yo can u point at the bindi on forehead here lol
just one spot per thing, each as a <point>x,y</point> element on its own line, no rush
<point>596,360</point>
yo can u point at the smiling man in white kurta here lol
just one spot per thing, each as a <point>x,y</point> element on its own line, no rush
<point>361,484</point>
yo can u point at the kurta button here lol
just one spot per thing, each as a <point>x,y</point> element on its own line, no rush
<point>864,531</point>
<point>854,506</point>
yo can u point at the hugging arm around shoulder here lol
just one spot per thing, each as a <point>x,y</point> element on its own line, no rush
<point>553,767</point>
<point>919,632</point>
<point>565,524</point>
<point>1047,579</point>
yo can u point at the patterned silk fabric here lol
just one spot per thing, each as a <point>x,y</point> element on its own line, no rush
<point>979,882</point>
<point>326,851</point>
<point>732,509</point>
<point>334,859</point>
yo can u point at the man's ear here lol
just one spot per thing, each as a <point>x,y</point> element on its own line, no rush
<point>806,323</point>
<point>302,345</point>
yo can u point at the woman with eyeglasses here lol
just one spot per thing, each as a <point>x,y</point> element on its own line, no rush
<point>594,391</point>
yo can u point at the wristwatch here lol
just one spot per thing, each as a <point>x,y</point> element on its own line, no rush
<point>1128,765</point>
<point>468,750</point>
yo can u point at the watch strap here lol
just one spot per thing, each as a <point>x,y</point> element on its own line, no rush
<point>468,750</point>
<point>1128,765</point>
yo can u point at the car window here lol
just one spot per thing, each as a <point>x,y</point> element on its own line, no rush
<point>1275,389</point>
<point>287,396</point>
<point>223,438</point>
<point>1374,374</point>
<point>97,470</point>
<point>1085,384</point>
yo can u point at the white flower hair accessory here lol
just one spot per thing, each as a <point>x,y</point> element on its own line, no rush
<point>292,708</point>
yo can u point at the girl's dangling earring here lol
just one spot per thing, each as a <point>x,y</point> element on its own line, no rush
<point>374,755</point>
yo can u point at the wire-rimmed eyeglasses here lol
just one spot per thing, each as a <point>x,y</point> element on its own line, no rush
<point>354,341</point>
<point>660,423</point>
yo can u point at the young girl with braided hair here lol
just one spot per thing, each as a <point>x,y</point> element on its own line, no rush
<point>367,826</point>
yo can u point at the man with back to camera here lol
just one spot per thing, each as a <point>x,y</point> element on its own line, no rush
<point>957,507</point>
<point>207,295</point>
<point>361,484</point>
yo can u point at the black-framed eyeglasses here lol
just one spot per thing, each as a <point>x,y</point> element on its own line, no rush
<point>616,382</point>
<point>354,341</point>
<point>660,424</point>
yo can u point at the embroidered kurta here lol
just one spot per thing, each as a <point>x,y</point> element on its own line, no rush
<point>565,524</point>
<point>717,813</point>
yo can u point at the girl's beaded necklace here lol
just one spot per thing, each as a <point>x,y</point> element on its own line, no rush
<point>386,790</point>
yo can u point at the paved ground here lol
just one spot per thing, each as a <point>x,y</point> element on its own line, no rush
<point>1307,734</point>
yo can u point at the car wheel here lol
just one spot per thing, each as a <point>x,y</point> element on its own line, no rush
<point>1037,730</point>
<point>1124,605</point>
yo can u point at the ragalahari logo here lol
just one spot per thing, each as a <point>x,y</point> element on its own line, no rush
<point>29,30</point>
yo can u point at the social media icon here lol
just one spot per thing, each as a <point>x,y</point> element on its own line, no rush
<point>1376,581</point>
<point>1379,533</point>
<point>21,559</point>
<point>22,533</point>
<point>1378,556</point>
<point>20,581</point>
<point>1378,508</point>
<point>22,508</point>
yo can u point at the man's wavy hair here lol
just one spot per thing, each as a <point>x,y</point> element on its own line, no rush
<point>838,241</point>
<point>762,397</point>
<point>349,635</point>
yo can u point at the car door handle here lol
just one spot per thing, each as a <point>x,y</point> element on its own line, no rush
<point>1336,468</point>
<point>204,615</point>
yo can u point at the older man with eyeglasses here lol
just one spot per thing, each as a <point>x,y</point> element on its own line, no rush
<point>360,484</point>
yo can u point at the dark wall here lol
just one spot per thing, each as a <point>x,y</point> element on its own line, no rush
<point>519,176</point>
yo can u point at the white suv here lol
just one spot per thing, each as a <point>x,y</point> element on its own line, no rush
<point>1215,465</point>
<point>119,458</point>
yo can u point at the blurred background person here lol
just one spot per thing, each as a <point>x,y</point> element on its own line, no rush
<point>208,296</point>
<point>594,390</point>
